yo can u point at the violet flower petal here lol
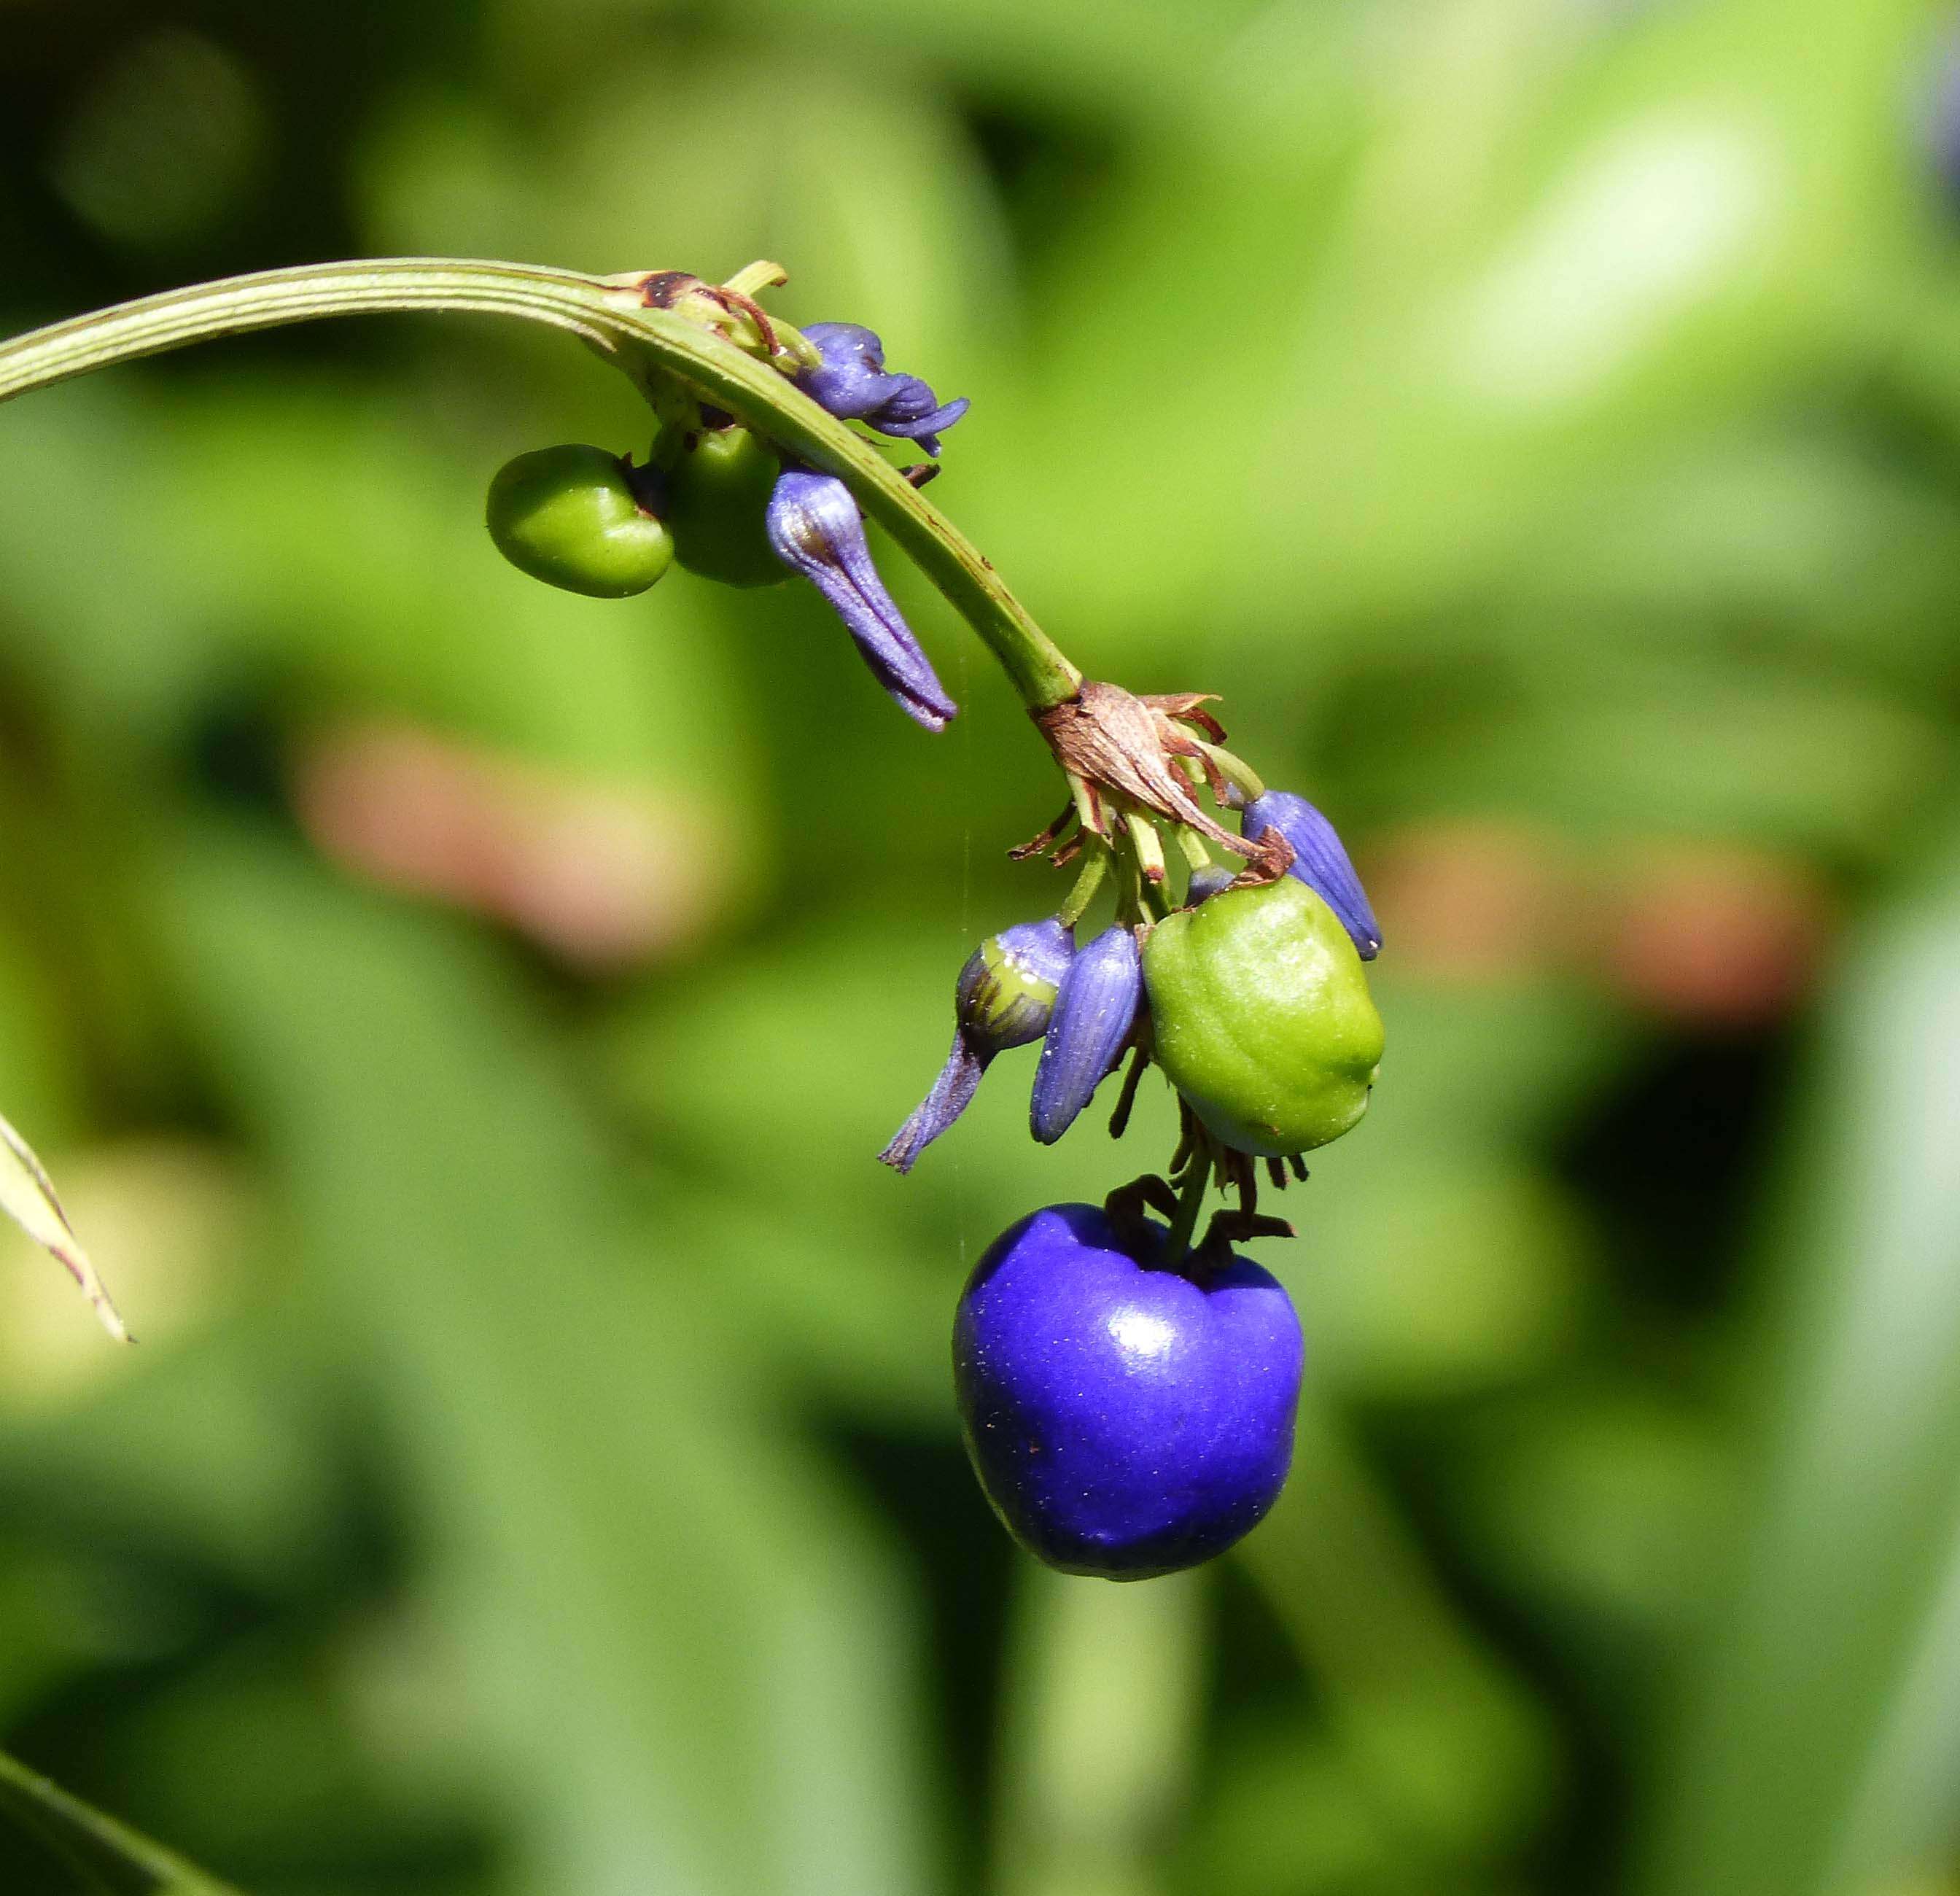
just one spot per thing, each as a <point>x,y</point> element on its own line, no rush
<point>1318,861</point>
<point>1096,1009</point>
<point>815,528</point>
<point>951,1093</point>
<point>1004,998</point>
<point>852,385</point>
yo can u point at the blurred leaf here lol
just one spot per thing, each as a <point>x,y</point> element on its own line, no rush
<point>27,1197</point>
<point>685,1648</point>
<point>1601,1506</point>
<point>113,1857</point>
<point>1102,1701</point>
<point>1810,1715</point>
<point>1452,1750</point>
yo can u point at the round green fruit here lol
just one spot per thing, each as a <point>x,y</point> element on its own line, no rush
<point>719,481</point>
<point>1263,1019</point>
<point>571,517</point>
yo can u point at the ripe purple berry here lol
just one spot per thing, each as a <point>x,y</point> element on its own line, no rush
<point>1125,1420</point>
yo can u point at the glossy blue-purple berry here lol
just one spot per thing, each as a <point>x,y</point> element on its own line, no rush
<point>814,528</point>
<point>1318,860</point>
<point>1095,1010</point>
<point>853,385</point>
<point>1004,998</point>
<point>1125,1420</point>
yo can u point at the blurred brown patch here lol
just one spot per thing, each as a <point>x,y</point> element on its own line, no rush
<point>1471,900</point>
<point>1717,935</point>
<point>602,879</point>
<point>1710,934</point>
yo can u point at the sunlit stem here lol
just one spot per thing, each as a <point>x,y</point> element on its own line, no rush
<point>1148,847</point>
<point>1088,805</point>
<point>1089,880</point>
<point>753,278</point>
<point>109,1854</point>
<point>1130,906</point>
<point>609,318</point>
<point>1235,770</point>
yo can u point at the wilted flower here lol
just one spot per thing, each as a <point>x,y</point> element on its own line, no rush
<point>814,528</point>
<point>1004,998</point>
<point>853,386</point>
<point>1318,861</point>
<point>1096,1009</point>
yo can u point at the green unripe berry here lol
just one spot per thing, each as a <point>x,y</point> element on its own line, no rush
<point>1263,1018</point>
<point>572,516</point>
<point>718,484</point>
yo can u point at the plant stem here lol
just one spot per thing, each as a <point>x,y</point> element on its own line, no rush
<point>1190,1202</point>
<point>103,1849</point>
<point>1094,872</point>
<point>1235,770</point>
<point>613,320</point>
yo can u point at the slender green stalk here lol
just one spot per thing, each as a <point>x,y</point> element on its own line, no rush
<point>1190,1202</point>
<point>114,1857</point>
<point>1235,770</point>
<point>1191,846</point>
<point>1090,879</point>
<point>610,318</point>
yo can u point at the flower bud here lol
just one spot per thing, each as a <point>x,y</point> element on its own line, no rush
<point>718,483</point>
<point>815,528</point>
<point>852,385</point>
<point>578,517</point>
<point>1095,1010</point>
<point>1006,992</point>
<point>1318,861</point>
<point>1213,879</point>
<point>1004,998</point>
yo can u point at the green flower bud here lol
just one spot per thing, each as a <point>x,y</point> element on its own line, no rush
<point>719,481</point>
<point>1263,1019</point>
<point>573,516</point>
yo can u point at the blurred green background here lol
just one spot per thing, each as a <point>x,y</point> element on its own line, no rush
<point>461,1017</point>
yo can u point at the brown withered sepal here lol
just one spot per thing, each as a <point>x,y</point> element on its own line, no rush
<point>1122,746</point>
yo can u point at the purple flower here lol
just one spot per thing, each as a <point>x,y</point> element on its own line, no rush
<point>853,386</point>
<point>1005,996</point>
<point>1318,861</point>
<point>1095,1010</point>
<point>814,528</point>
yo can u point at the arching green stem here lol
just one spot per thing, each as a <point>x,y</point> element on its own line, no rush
<point>612,318</point>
